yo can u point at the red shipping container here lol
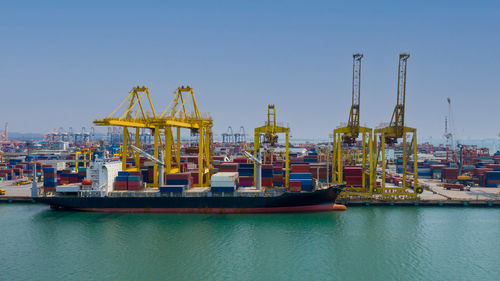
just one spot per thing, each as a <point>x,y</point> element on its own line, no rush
<point>300,168</point>
<point>278,178</point>
<point>295,184</point>
<point>267,166</point>
<point>229,167</point>
<point>178,176</point>
<point>353,171</point>
<point>267,182</point>
<point>295,188</point>
<point>49,189</point>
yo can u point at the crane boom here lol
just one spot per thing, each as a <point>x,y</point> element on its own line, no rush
<point>398,115</point>
<point>353,122</point>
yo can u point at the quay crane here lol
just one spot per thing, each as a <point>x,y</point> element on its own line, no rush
<point>392,133</point>
<point>349,134</point>
<point>176,115</point>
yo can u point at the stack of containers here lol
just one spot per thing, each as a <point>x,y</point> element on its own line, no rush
<point>245,174</point>
<point>353,175</point>
<point>49,179</point>
<point>493,179</point>
<point>436,170</point>
<point>18,172</point>
<point>82,173</point>
<point>121,180</point>
<point>479,175</point>
<point>224,182</point>
<point>145,175</point>
<point>305,179</point>
<point>6,174</point>
<point>311,158</point>
<point>229,167</point>
<point>134,181</point>
<point>278,174</point>
<point>38,169</point>
<point>295,186</point>
<point>267,175</point>
<point>67,176</point>
<point>301,173</point>
<point>449,175</point>
<point>177,182</point>
<point>318,171</point>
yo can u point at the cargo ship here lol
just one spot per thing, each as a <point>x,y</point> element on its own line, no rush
<point>202,202</point>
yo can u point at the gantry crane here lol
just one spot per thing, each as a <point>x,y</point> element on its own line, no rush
<point>270,130</point>
<point>395,131</point>
<point>134,116</point>
<point>178,115</point>
<point>347,136</point>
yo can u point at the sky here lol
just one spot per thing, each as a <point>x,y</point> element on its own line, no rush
<point>68,63</point>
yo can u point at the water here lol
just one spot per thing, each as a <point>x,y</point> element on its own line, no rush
<point>363,243</point>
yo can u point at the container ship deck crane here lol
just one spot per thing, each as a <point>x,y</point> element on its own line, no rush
<point>270,130</point>
<point>348,135</point>
<point>392,133</point>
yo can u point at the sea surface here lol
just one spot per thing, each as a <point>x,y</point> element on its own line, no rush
<point>362,243</point>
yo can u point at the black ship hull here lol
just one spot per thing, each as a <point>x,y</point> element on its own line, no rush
<point>319,200</point>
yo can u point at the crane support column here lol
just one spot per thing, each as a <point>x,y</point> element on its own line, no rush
<point>415,163</point>
<point>156,149</point>
<point>137,144</point>
<point>168,149</point>
<point>178,148</point>
<point>287,161</point>
<point>201,145</point>
<point>256,151</point>
<point>124,148</point>
<point>207,154</point>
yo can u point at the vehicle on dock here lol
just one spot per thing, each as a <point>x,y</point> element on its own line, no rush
<point>2,191</point>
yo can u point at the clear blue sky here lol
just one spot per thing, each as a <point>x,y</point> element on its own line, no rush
<point>66,63</point>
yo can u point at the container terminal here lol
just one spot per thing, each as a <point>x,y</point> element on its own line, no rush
<point>150,159</point>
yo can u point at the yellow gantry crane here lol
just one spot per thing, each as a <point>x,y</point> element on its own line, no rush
<point>270,130</point>
<point>347,136</point>
<point>176,115</point>
<point>136,115</point>
<point>397,130</point>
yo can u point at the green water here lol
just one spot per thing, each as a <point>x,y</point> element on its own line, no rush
<point>363,243</point>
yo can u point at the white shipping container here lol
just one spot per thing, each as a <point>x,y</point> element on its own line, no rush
<point>68,188</point>
<point>224,177</point>
<point>223,184</point>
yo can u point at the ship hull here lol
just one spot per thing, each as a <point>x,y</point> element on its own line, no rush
<point>320,200</point>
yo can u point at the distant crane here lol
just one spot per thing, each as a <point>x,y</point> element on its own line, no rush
<point>228,136</point>
<point>240,136</point>
<point>5,135</point>
<point>449,134</point>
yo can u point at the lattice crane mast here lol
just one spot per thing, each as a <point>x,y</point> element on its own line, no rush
<point>349,134</point>
<point>353,122</point>
<point>395,131</point>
